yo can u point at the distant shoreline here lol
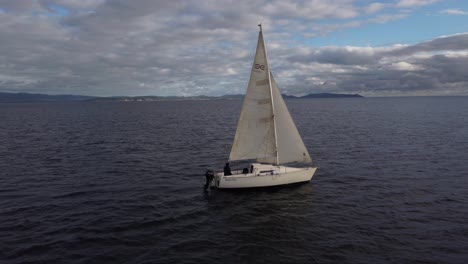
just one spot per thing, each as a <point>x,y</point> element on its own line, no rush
<point>30,98</point>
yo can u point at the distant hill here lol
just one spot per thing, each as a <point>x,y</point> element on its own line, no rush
<point>319,95</point>
<point>27,97</point>
<point>232,96</point>
<point>151,98</point>
<point>331,95</point>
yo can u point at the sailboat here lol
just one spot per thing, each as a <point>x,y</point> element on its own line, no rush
<point>265,133</point>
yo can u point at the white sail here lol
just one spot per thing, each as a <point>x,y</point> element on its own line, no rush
<point>266,131</point>
<point>255,135</point>
<point>291,148</point>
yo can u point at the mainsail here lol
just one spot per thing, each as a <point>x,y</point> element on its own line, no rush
<point>266,131</point>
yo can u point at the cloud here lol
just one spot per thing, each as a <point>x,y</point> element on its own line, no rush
<point>335,55</point>
<point>455,11</point>
<point>150,47</point>
<point>311,9</point>
<point>405,66</point>
<point>76,4</point>
<point>414,3</point>
<point>386,18</point>
<point>375,7</point>
<point>433,67</point>
<point>456,42</point>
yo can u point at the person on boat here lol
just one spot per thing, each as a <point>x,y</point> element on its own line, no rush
<point>209,177</point>
<point>227,169</point>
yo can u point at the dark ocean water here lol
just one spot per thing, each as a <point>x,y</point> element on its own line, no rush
<point>122,183</point>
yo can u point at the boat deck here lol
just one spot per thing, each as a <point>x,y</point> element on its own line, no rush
<point>258,169</point>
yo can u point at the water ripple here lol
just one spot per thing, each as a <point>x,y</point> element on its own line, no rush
<point>122,183</point>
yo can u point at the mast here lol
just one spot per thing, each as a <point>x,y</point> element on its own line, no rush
<point>271,97</point>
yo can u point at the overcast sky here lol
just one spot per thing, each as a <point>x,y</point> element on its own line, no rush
<point>149,47</point>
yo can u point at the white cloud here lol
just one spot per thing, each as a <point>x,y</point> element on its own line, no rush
<point>455,11</point>
<point>375,7</point>
<point>405,66</point>
<point>414,3</point>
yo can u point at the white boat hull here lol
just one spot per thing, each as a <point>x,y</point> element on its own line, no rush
<point>274,176</point>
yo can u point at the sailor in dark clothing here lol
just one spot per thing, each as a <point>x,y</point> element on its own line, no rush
<point>209,177</point>
<point>227,170</point>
